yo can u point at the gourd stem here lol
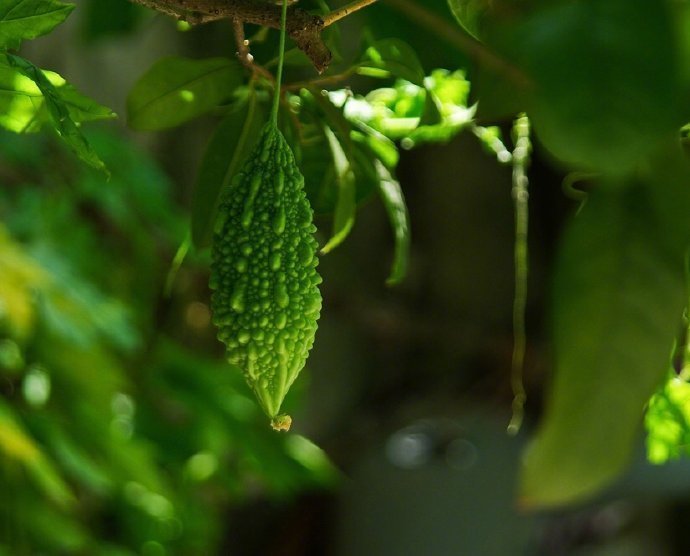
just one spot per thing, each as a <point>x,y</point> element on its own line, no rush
<point>279,73</point>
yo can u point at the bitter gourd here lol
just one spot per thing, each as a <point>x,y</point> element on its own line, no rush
<point>266,301</point>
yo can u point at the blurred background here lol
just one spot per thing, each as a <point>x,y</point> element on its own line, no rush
<point>122,430</point>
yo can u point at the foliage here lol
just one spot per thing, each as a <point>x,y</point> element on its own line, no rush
<point>108,418</point>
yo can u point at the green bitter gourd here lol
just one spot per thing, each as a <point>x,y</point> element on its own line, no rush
<point>266,301</point>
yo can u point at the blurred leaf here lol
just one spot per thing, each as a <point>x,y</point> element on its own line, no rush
<point>175,90</point>
<point>345,208</point>
<point>107,18</point>
<point>66,127</point>
<point>123,199</point>
<point>51,531</point>
<point>312,457</point>
<point>16,444</point>
<point>605,79</point>
<point>297,57</point>
<point>28,19</point>
<point>469,13</point>
<point>395,57</point>
<point>74,309</point>
<point>394,202</point>
<point>620,293</point>
<point>76,463</point>
<point>236,134</point>
<point>21,277</point>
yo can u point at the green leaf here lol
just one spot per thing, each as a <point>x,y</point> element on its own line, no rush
<point>236,134</point>
<point>469,14</point>
<point>434,112</point>
<point>377,144</point>
<point>619,295</point>
<point>316,159</point>
<point>16,444</point>
<point>59,111</point>
<point>605,80</point>
<point>395,57</point>
<point>109,18</point>
<point>394,201</point>
<point>23,108</point>
<point>28,19</point>
<point>667,420</point>
<point>176,90</point>
<point>345,208</point>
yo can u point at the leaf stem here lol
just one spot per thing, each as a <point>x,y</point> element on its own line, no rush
<point>244,55</point>
<point>281,59</point>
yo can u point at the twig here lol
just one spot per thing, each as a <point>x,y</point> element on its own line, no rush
<point>337,15</point>
<point>243,53</point>
<point>303,27</point>
<point>452,34</point>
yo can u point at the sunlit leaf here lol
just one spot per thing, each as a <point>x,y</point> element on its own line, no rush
<point>378,144</point>
<point>63,123</point>
<point>394,201</point>
<point>412,114</point>
<point>23,107</point>
<point>28,19</point>
<point>176,90</point>
<point>667,421</point>
<point>619,295</point>
<point>345,208</point>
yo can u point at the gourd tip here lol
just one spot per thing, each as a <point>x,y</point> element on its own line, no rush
<point>281,423</point>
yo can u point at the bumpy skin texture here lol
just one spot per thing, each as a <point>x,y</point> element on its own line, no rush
<point>266,301</point>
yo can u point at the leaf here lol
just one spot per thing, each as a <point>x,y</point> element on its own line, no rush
<point>17,445</point>
<point>435,112</point>
<point>667,420</point>
<point>236,134</point>
<point>394,202</point>
<point>28,19</point>
<point>619,295</point>
<point>344,217</point>
<point>59,112</point>
<point>397,58</point>
<point>605,79</point>
<point>316,160</point>
<point>81,108</point>
<point>469,14</point>
<point>23,108</point>
<point>109,18</point>
<point>175,90</point>
<point>378,145</point>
